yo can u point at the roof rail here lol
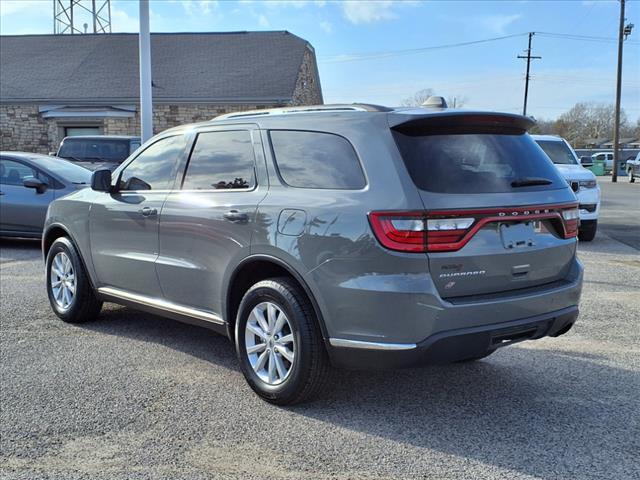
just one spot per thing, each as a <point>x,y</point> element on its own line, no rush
<point>353,107</point>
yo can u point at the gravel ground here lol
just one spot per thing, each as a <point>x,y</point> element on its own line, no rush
<point>133,396</point>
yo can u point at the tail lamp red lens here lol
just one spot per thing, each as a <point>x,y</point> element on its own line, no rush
<point>450,230</point>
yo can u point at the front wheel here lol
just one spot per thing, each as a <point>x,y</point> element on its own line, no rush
<point>70,293</point>
<point>632,178</point>
<point>279,343</point>
<point>587,231</point>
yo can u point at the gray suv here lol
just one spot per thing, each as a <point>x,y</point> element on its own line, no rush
<point>355,236</point>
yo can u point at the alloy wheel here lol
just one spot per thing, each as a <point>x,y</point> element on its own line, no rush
<point>63,280</point>
<point>270,343</point>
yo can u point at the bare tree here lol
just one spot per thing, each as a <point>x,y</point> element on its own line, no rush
<point>421,96</point>
<point>590,120</point>
<point>417,98</point>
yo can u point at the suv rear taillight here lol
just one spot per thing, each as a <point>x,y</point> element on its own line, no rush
<point>450,230</point>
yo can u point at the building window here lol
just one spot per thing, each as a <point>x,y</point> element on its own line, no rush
<point>78,131</point>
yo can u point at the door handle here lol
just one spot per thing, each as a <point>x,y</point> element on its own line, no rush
<point>1,193</point>
<point>236,216</point>
<point>148,212</point>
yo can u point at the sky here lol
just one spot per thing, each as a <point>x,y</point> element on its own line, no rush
<point>380,51</point>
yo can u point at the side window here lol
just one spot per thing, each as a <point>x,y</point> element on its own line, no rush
<point>153,169</point>
<point>14,173</point>
<point>221,160</point>
<point>316,160</point>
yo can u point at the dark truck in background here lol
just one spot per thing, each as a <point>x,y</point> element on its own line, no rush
<point>98,151</point>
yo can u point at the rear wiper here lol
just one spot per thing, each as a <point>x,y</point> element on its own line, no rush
<point>530,181</point>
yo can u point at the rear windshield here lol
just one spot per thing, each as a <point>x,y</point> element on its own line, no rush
<point>94,150</point>
<point>471,162</point>
<point>558,151</point>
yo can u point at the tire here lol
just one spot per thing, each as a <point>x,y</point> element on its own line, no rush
<point>298,380</point>
<point>587,231</point>
<point>476,358</point>
<point>80,304</point>
<point>632,178</point>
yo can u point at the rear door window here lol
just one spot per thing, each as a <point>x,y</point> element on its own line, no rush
<point>316,160</point>
<point>476,162</point>
<point>221,160</point>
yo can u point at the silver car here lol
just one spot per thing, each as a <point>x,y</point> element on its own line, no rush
<point>29,182</point>
<point>355,236</point>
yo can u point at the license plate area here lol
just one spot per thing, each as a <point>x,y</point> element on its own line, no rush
<point>519,234</point>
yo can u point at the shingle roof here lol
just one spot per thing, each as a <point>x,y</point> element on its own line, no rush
<point>250,67</point>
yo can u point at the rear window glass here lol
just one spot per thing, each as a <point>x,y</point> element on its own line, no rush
<point>476,162</point>
<point>221,160</point>
<point>558,152</point>
<point>92,150</point>
<point>316,160</point>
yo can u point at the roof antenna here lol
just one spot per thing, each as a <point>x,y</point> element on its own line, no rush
<point>435,102</point>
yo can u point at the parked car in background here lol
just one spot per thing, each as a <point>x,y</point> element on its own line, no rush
<point>356,235</point>
<point>29,182</point>
<point>99,151</point>
<point>582,181</point>
<point>633,168</point>
<point>606,157</point>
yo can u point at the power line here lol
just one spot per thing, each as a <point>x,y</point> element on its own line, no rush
<point>394,53</point>
<point>586,38</point>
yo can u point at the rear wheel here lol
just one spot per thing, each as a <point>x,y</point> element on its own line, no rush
<point>279,343</point>
<point>70,293</point>
<point>588,230</point>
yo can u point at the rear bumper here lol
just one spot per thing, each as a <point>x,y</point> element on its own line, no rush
<point>451,345</point>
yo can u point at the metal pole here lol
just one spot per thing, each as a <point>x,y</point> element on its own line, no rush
<point>146,106</point>
<point>94,15</point>
<point>616,125</point>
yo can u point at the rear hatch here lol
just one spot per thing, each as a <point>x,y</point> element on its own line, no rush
<point>497,215</point>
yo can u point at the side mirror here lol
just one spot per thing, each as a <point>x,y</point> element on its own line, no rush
<point>33,182</point>
<point>101,180</point>
<point>586,161</point>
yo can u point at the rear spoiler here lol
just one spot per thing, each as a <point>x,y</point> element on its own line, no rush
<point>414,122</point>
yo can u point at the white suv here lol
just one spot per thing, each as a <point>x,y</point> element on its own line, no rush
<point>582,181</point>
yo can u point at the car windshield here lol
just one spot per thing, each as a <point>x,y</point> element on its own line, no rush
<point>94,150</point>
<point>65,170</point>
<point>558,151</point>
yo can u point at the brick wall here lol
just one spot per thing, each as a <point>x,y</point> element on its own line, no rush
<point>307,90</point>
<point>22,128</point>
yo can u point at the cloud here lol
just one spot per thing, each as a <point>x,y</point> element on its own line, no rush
<point>263,21</point>
<point>326,26</point>
<point>122,22</point>
<point>368,11</point>
<point>496,23</point>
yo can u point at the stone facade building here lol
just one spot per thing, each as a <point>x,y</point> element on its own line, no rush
<point>52,86</point>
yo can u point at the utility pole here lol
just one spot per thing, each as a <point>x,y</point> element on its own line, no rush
<point>529,57</point>
<point>622,35</point>
<point>146,103</point>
